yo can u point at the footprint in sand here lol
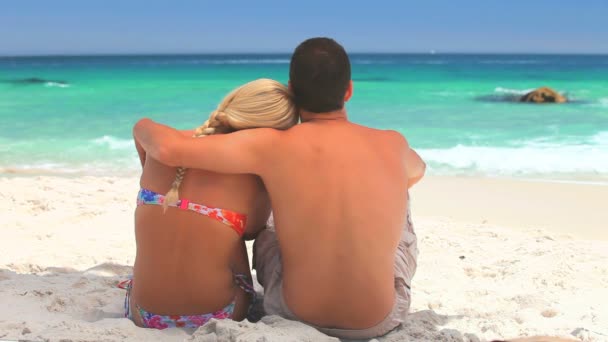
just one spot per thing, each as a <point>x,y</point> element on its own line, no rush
<point>57,305</point>
<point>42,294</point>
<point>81,283</point>
<point>471,272</point>
<point>549,313</point>
<point>4,276</point>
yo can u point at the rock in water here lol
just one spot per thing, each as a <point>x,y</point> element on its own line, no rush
<point>34,80</point>
<point>543,95</point>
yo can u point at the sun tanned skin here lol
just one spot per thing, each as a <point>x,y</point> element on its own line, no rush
<point>185,261</point>
<point>339,195</point>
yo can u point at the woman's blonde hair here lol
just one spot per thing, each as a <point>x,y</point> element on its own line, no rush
<point>259,103</point>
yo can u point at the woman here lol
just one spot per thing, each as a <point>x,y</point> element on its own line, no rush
<point>191,263</point>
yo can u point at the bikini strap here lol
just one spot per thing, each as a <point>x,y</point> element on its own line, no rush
<point>234,220</point>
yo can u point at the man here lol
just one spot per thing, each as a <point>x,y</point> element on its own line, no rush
<point>346,252</point>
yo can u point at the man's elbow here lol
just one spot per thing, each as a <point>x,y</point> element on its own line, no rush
<point>417,176</point>
<point>421,170</point>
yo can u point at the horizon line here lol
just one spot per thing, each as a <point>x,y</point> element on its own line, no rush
<point>431,53</point>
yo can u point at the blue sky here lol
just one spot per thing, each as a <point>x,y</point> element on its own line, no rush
<point>187,26</point>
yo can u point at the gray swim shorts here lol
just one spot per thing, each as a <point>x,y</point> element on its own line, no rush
<point>267,262</point>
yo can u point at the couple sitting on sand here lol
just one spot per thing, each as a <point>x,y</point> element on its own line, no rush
<point>342,252</point>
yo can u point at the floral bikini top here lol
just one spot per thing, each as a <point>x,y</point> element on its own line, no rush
<point>232,219</point>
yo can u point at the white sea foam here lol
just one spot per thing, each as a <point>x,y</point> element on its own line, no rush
<point>508,91</point>
<point>599,103</point>
<point>56,84</point>
<point>120,167</point>
<point>114,143</point>
<point>600,139</point>
<point>533,158</point>
<point>576,157</point>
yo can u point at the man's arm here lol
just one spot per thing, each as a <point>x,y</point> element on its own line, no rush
<point>240,152</point>
<point>415,167</point>
<point>140,152</point>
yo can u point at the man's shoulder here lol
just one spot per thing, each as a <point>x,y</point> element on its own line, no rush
<point>259,133</point>
<point>392,134</point>
<point>392,137</point>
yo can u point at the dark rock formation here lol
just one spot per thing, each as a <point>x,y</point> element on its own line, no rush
<point>543,95</point>
<point>34,80</point>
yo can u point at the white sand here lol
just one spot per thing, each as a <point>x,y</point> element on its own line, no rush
<point>66,242</point>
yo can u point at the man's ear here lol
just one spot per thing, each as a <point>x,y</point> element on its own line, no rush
<point>349,91</point>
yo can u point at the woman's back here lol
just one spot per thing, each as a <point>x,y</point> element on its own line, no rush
<point>191,263</point>
<point>185,260</point>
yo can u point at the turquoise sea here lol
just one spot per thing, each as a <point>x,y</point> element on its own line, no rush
<point>73,115</point>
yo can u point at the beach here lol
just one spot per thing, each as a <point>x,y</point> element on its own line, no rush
<point>511,217</point>
<point>507,105</point>
<point>499,258</point>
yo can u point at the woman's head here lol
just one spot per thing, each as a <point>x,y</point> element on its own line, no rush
<point>257,104</point>
<point>260,103</point>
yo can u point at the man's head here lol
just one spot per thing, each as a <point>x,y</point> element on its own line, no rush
<point>319,75</point>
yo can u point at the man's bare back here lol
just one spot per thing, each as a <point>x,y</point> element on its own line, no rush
<point>339,195</point>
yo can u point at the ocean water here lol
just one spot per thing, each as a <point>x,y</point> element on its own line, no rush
<point>74,115</point>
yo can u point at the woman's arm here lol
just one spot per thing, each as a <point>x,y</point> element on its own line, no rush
<point>240,267</point>
<point>244,151</point>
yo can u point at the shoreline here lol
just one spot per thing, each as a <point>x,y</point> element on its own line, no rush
<point>586,179</point>
<point>557,205</point>
<point>570,209</point>
<point>573,209</point>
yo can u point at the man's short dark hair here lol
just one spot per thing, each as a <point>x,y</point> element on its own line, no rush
<point>319,74</point>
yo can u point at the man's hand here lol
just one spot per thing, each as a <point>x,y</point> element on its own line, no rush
<point>151,136</point>
<point>140,152</point>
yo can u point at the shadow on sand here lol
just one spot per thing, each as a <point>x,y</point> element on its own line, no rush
<point>91,297</point>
